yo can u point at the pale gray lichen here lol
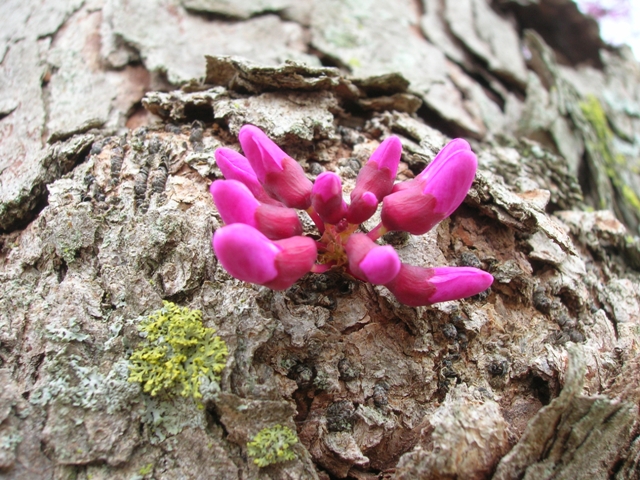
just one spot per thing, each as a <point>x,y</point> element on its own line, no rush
<point>71,381</point>
<point>167,418</point>
<point>71,332</point>
<point>9,440</point>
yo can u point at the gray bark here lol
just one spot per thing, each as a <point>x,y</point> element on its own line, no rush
<point>109,117</point>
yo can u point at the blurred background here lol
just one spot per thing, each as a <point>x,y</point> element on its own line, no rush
<point>619,21</point>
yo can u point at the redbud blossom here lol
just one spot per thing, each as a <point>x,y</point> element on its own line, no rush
<point>375,180</point>
<point>249,256</point>
<point>281,176</point>
<point>433,197</point>
<point>419,286</point>
<point>370,261</point>
<point>236,167</point>
<point>326,198</point>
<point>261,242</point>
<point>236,204</point>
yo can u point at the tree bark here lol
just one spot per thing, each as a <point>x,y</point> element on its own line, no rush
<point>109,118</point>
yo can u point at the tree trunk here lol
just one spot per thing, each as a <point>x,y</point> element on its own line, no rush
<point>106,154</point>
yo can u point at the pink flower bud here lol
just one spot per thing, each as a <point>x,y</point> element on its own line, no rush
<point>363,206</point>
<point>447,151</point>
<point>281,176</point>
<point>235,167</point>
<point>432,197</point>
<point>297,257</point>
<point>326,198</point>
<point>249,256</point>
<point>450,148</point>
<point>236,204</point>
<point>371,262</point>
<point>375,180</point>
<point>418,286</point>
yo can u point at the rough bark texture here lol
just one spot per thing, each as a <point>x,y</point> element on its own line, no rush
<point>106,154</point>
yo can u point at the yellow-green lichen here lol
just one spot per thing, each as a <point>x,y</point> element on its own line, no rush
<point>272,445</point>
<point>597,118</point>
<point>595,115</point>
<point>178,353</point>
<point>630,196</point>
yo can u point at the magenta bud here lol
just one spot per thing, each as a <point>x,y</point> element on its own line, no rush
<point>363,206</point>
<point>278,222</point>
<point>371,262</point>
<point>326,198</point>
<point>236,167</point>
<point>453,146</point>
<point>409,210</point>
<point>432,198</point>
<point>297,257</point>
<point>453,283</point>
<point>387,155</point>
<point>375,179</point>
<point>450,182</point>
<point>236,204</point>
<point>419,286</point>
<point>281,176</point>
<point>249,256</point>
<point>246,253</point>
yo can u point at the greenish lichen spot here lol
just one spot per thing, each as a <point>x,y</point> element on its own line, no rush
<point>272,445</point>
<point>146,469</point>
<point>177,354</point>
<point>597,118</point>
<point>595,115</point>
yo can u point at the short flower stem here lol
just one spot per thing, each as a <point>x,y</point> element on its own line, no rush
<point>317,268</point>
<point>316,219</point>
<point>377,232</point>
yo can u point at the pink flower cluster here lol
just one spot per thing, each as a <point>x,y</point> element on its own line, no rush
<point>262,241</point>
